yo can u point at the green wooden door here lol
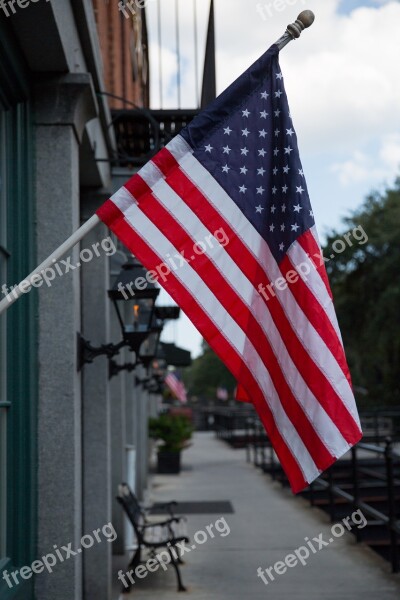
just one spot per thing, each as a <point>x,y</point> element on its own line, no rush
<point>18,339</point>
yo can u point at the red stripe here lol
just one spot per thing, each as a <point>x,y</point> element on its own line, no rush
<point>213,336</point>
<point>310,247</point>
<point>240,312</point>
<point>314,378</point>
<point>316,314</point>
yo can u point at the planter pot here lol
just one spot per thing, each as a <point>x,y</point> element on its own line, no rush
<point>169,462</point>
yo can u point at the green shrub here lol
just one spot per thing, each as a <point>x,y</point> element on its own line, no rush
<point>173,430</point>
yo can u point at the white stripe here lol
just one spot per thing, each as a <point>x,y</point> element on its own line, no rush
<point>240,284</point>
<point>232,333</point>
<point>123,199</point>
<point>315,284</point>
<point>333,317</point>
<point>250,237</point>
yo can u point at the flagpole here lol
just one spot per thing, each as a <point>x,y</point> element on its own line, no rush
<point>76,237</point>
<point>294,31</point>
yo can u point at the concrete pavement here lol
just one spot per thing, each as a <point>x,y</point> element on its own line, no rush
<point>268,524</point>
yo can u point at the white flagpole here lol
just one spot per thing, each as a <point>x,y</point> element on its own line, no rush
<point>293,31</point>
<point>76,237</point>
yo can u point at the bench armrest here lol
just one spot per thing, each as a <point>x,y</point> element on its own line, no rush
<point>162,523</point>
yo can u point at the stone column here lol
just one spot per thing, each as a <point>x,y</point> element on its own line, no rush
<point>118,442</point>
<point>62,107</point>
<point>97,568</point>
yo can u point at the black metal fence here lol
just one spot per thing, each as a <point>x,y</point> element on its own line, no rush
<point>368,478</point>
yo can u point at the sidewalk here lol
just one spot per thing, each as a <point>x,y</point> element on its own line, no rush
<point>268,523</point>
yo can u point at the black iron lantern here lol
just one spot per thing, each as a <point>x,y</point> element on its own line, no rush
<point>134,294</point>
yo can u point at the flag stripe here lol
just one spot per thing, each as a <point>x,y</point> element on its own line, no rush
<point>224,322</point>
<point>318,283</point>
<point>111,215</point>
<point>176,386</point>
<point>310,340</point>
<point>310,285</point>
<point>313,375</point>
<point>239,307</point>
<point>262,331</point>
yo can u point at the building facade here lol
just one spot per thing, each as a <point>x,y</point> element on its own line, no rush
<point>67,436</point>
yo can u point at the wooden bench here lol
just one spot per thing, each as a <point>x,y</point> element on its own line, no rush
<point>153,535</point>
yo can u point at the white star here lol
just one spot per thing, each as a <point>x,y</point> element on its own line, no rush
<point>311,214</point>
<point>297,208</point>
<point>245,132</point>
<point>274,190</point>
<point>259,209</point>
<point>276,151</point>
<point>242,189</point>
<point>283,227</point>
<point>281,247</point>
<point>226,149</point>
<point>208,148</point>
<point>277,132</point>
<point>285,189</point>
<point>295,227</point>
<point>288,150</point>
<point>262,133</point>
<point>272,227</point>
<point>286,169</point>
<point>263,114</point>
<point>278,94</point>
<point>245,113</point>
<point>290,132</point>
<point>275,171</point>
<point>277,113</point>
<point>260,190</point>
<point>279,76</point>
<point>243,170</point>
<point>273,208</point>
<point>261,171</point>
<point>283,207</point>
<point>264,95</point>
<point>226,169</point>
<point>299,189</point>
<point>244,151</point>
<point>262,152</point>
<point>227,130</point>
<point>301,172</point>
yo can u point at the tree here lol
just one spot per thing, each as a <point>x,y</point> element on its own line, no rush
<point>206,374</point>
<point>365,283</point>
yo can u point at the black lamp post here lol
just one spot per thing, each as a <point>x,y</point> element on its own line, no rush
<point>133,294</point>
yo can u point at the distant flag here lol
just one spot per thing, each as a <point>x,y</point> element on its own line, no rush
<point>222,393</point>
<point>222,218</point>
<point>176,386</point>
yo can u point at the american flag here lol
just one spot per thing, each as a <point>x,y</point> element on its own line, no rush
<point>222,393</point>
<point>176,386</point>
<point>261,301</point>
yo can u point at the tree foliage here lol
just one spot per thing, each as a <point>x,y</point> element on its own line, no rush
<point>366,288</point>
<point>206,374</point>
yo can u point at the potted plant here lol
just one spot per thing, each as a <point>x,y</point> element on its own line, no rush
<point>174,432</point>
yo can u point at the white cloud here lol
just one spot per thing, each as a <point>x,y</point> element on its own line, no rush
<point>371,168</point>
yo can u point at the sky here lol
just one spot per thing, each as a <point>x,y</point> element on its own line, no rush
<point>341,78</point>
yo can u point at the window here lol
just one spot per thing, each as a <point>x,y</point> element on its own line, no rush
<point>3,353</point>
